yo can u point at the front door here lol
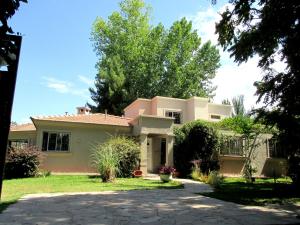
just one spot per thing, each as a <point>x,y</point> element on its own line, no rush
<point>149,156</point>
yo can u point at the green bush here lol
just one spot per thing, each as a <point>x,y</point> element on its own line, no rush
<point>117,157</point>
<point>22,162</point>
<point>215,179</point>
<point>196,140</point>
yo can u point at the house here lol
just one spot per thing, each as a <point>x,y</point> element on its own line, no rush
<point>67,140</point>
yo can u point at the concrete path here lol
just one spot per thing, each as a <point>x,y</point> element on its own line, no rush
<point>163,207</point>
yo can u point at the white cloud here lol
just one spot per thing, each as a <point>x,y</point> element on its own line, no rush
<point>86,80</point>
<point>65,87</point>
<point>231,79</point>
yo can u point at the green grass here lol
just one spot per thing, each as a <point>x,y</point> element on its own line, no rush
<point>16,188</point>
<point>261,192</point>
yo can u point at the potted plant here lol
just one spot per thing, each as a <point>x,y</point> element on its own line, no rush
<point>165,173</point>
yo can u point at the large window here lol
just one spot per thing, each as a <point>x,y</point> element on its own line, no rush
<point>18,143</point>
<point>55,141</point>
<point>232,146</point>
<point>275,149</point>
<point>175,115</point>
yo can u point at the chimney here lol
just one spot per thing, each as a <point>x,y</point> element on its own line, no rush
<point>83,110</point>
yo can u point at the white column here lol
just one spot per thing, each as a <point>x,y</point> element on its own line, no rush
<point>143,143</point>
<point>169,150</point>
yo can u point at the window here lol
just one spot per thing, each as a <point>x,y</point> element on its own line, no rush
<point>55,141</point>
<point>275,149</point>
<point>232,146</point>
<point>175,115</point>
<point>18,143</point>
<point>215,117</point>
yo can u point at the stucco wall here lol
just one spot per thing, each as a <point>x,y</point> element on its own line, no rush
<point>29,135</point>
<point>82,138</point>
<point>217,109</point>
<point>168,104</point>
<point>140,106</point>
<point>190,109</point>
<point>265,166</point>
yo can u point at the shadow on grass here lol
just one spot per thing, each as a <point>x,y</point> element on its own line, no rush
<point>257,194</point>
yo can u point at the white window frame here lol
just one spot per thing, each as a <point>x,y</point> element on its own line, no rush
<point>173,111</point>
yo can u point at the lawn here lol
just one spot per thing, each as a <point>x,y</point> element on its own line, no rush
<point>261,192</point>
<point>16,188</point>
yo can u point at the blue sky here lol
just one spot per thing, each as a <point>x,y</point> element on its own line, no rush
<point>57,64</point>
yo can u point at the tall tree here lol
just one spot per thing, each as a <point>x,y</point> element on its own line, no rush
<point>139,60</point>
<point>238,105</point>
<point>271,30</point>
<point>226,102</point>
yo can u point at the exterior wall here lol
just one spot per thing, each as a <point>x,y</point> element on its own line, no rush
<point>190,109</point>
<point>140,106</point>
<point>231,165</point>
<point>217,109</point>
<point>29,135</point>
<point>200,108</point>
<point>169,104</point>
<point>82,138</point>
<point>266,166</point>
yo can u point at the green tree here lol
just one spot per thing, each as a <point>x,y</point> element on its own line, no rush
<point>226,102</point>
<point>139,60</point>
<point>238,105</point>
<point>270,29</point>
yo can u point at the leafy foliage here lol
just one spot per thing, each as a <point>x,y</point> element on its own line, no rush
<point>22,162</point>
<point>139,60</point>
<point>270,29</point>
<point>195,141</point>
<point>7,10</point>
<point>119,156</point>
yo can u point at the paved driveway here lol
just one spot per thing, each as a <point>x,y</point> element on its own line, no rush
<point>164,207</point>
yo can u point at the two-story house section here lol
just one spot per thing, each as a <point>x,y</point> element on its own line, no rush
<point>182,110</point>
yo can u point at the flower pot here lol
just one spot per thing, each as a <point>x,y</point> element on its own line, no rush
<point>165,177</point>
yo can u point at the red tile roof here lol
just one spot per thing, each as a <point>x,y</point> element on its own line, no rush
<point>23,127</point>
<point>95,118</point>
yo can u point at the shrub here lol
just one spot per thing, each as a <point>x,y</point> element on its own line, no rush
<point>196,140</point>
<point>118,156</point>
<point>214,179</point>
<point>22,162</point>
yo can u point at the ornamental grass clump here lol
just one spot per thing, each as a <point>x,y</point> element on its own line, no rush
<point>215,179</point>
<point>117,157</point>
<point>107,161</point>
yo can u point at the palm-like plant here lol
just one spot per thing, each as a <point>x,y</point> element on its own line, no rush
<point>238,105</point>
<point>107,161</point>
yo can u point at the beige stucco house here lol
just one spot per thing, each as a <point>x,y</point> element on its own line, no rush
<point>67,140</point>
